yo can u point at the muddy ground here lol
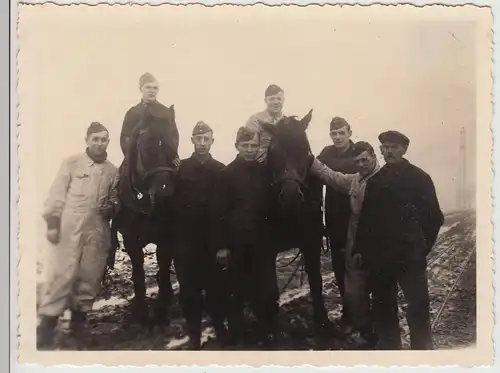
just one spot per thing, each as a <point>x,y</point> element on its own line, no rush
<point>453,303</point>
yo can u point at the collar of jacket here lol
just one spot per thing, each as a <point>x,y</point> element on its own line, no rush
<point>195,158</point>
<point>395,166</point>
<point>155,101</point>
<point>375,170</point>
<point>93,159</point>
<point>345,153</point>
<point>254,163</point>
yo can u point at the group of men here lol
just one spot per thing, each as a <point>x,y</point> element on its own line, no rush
<point>381,224</point>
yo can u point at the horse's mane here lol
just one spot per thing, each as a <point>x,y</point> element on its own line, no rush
<point>156,128</point>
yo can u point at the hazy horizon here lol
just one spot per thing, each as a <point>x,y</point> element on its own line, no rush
<point>417,77</point>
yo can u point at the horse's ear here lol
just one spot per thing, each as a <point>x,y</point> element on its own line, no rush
<point>172,109</point>
<point>307,119</point>
<point>267,127</point>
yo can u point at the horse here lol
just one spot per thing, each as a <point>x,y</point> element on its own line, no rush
<point>296,206</point>
<point>145,194</point>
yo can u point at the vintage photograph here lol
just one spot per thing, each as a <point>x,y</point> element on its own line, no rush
<point>298,180</point>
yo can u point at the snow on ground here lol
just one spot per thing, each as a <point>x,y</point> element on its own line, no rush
<point>111,330</point>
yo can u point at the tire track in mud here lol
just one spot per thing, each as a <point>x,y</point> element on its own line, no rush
<point>450,255</point>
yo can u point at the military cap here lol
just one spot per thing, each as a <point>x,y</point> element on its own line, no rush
<point>245,134</point>
<point>146,78</point>
<point>394,136</point>
<point>337,123</point>
<point>273,89</point>
<point>96,127</point>
<point>200,128</point>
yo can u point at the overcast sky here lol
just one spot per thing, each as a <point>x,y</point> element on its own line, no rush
<point>417,77</point>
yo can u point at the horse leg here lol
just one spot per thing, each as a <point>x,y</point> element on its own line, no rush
<point>312,258</point>
<point>140,307</point>
<point>165,297</point>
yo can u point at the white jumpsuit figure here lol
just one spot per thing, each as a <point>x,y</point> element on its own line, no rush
<point>80,196</point>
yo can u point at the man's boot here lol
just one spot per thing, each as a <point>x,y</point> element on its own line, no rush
<point>46,331</point>
<point>194,333</point>
<point>78,321</point>
<point>221,334</point>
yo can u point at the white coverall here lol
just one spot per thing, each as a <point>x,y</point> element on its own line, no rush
<point>82,190</point>
<point>355,186</point>
<point>265,137</point>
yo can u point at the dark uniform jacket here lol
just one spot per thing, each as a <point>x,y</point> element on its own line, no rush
<point>337,204</point>
<point>194,196</point>
<point>135,114</point>
<point>400,218</point>
<point>242,205</point>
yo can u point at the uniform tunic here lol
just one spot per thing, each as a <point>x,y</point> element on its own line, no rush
<point>337,204</point>
<point>81,191</point>
<point>265,136</point>
<point>242,199</point>
<point>195,263</point>
<point>243,228</point>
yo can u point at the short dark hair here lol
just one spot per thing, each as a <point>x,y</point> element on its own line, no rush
<point>273,89</point>
<point>361,147</point>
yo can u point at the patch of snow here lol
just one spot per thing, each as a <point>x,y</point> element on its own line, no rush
<point>446,228</point>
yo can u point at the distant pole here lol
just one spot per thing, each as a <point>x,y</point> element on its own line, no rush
<point>462,197</point>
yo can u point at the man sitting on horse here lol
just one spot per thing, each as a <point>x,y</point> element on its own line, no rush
<point>81,202</point>
<point>196,268</point>
<point>149,88</point>
<point>242,237</point>
<point>275,99</point>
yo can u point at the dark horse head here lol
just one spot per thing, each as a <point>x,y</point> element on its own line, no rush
<point>288,161</point>
<point>151,156</point>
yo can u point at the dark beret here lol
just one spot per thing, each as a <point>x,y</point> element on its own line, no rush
<point>245,134</point>
<point>361,147</point>
<point>337,123</point>
<point>395,137</point>
<point>273,89</point>
<point>200,128</point>
<point>96,127</point>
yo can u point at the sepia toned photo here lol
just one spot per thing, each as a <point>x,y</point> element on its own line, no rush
<point>255,185</point>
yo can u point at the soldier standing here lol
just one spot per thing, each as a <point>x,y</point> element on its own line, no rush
<point>357,290</point>
<point>275,99</point>
<point>397,228</point>
<point>339,157</point>
<point>243,236</point>
<point>81,202</point>
<point>196,268</point>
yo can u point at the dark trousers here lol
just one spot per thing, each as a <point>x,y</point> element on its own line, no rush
<point>197,271</point>
<point>412,278</point>
<point>253,279</point>
<point>338,266</point>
